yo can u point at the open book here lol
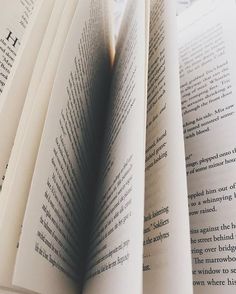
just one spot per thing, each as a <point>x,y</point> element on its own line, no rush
<point>118,170</point>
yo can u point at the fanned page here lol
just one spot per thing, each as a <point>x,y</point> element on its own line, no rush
<point>13,97</point>
<point>50,258</point>
<point>208,81</point>
<point>14,19</point>
<point>21,165</point>
<point>167,259</point>
<point>115,253</point>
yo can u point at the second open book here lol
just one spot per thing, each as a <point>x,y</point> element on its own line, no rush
<point>99,157</point>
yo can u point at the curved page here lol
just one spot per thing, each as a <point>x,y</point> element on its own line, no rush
<point>13,97</point>
<point>116,243</point>
<point>167,259</point>
<point>208,87</point>
<point>15,16</point>
<point>50,256</point>
<point>20,169</point>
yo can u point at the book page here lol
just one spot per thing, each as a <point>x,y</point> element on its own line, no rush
<point>167,260</point>
<point>50,258</point>
<point>208,81</point>
<point>182,5</point>
<point>115,254</point>
<point>14,19</point>
<point>20,168</point>
<point>15,91</point>
<point>42,61</point>
<point>118,11</point>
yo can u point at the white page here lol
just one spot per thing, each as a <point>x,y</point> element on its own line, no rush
<point>119,8</point>
<point>59,181</point>
<point>182,5</point>
<point>13,97</point>
<point>19,173</point>
<point>14,19</point>
<point>115,254</point>
<point>208,81</point>
<point>40,64</point>
<point>167,260</point>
